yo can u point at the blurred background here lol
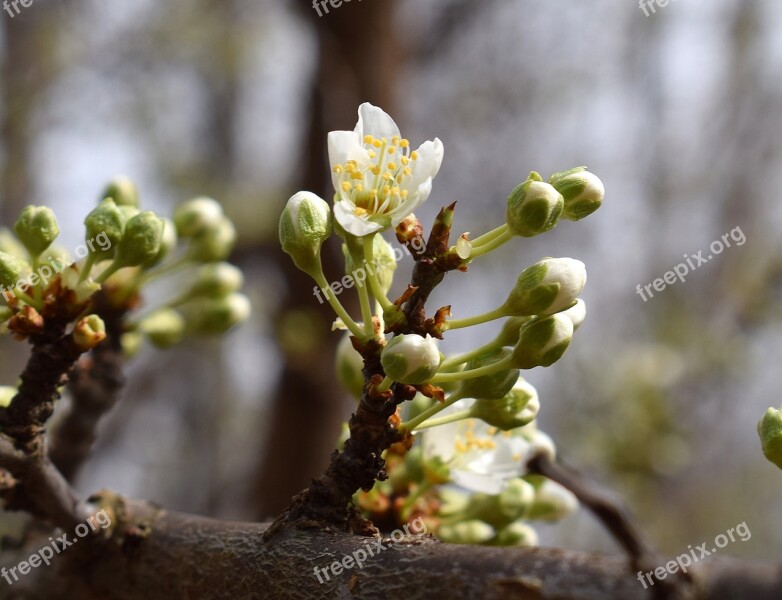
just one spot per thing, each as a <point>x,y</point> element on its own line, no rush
<point>679,112</point>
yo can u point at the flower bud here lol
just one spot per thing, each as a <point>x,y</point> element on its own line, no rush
<point>196,216</point>
<point>89,332</point>
<point>213,316</point>
<point>770,432</point>
<point>141,240</point>
<point>493,386</point>
<point>167,242</point>
<point>533,207</point>
<point>517,534</point>
<point>350,365</point>
<point>123,191</point>
<point>36,228</point>
<point>509,334</point>
<point>546,287</point>
<point>543,341</point>
<point>304,225</point>
<point>12,269</point>
<point>5,314</point>
<point>107,220</point>
<point>213,244</point>
<point>552,501</point>
<point>515,409</point>
<point>582,191</point>
<point>385,263</point>
<point>576,313</point>
<point>164,327</point>
<point>466,532</point>
<point>411,358</point>
<point>215,280</point>
<point>7,393</point>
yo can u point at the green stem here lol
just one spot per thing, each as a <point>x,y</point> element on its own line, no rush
<point>505,363</point>
<point>34,302</point>
<point>384,385</point>
<point>366,308</point>
<point>460,359</point>
<point>497,313</point>
<point>491,245</point>
<point>173,266</point>
<point>489,236</point>
<point>431,411</point>
<point>335,304</point>
<point>110,270</point>
<point>457,416</point>
<point>88,264</point>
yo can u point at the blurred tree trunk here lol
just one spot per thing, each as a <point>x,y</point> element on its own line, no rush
<point>308,408</point>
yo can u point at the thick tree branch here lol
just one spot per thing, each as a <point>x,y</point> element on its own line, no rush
<point>156,554</point>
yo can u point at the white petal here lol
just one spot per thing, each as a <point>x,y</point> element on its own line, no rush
<point>344,213</point>
<point>416,199</point>
<point>344,146</point>
<point>430,157</point>
<point>374,121</point>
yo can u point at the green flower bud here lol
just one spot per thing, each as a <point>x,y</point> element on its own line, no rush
<point>7,393</point>
<point>770,432</point>
<point>349,365</point>
<point>576,313</point>
<point>517,408</point>
<point>533,207</point>
<point>543,341</point>
<point>552,501</point>
<point>196,216</point>
<point>5,314</point>
<point>10,245</point>
<point>411,358</point>
<point>128,211</point>
<point>36,228</point>
<point>167,242</point>
<point>516,534</point>
<point>304,225</point>
<point>215,280</point>
<point>141,240</point>
<point>582,191</point>
<point>164,327</point>
<point>493,386</point>
<point>213,316</point>
<point>509,334</point>
<point>107,220</point>
<point>466,532</point>
<point>385,263</point>
<point>12,269</point>
<point>131,343</point>
<point>516,498</point>
<point>546,287</point>
<point>214,243</point>
<point>89,332</point>
<point>123,191</point>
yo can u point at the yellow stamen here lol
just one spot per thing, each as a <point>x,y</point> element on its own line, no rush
<point>391,166</point>
<point>391,149</point>
<point>414,155</point>
<point>346,186</point>
<point>403,143</point>
<point>368,139</point>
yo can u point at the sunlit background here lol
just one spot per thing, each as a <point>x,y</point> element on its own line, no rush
<point>679,112</point>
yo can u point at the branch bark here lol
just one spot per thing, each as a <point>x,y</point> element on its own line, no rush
<point>154,554</point>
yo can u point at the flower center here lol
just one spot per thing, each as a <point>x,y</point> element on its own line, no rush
<point>380,187</point>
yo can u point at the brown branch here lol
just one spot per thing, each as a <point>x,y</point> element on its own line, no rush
<point>154,554</point>
<point>616,519</point>
<point>94,385</point>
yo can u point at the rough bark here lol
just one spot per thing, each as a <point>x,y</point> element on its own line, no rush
<point>155,554</point>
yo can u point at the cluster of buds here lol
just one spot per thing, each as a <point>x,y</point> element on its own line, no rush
<point>125,248</point>
<point>378,182</point>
